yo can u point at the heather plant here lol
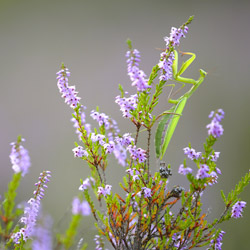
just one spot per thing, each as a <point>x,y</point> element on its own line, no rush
<point>148,213</point>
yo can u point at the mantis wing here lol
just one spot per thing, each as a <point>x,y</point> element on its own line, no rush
<point>160,129</point>
<point>172,125</point>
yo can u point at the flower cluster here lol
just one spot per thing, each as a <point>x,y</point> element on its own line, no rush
<point>165,64</point>
<point>101,118</point>
<point>137,76</point>
<point>109,123</point>
<point>80,152</point>
<point>32,209</point>
<point>19,158</point>
<point>238,208</point>
<point>104,191</point>
<point>79,207</point>
<point>215,128</point>
<point>146,192</point>
<point>167,57</point>
<point>218,243</point>
<point>137,153</point>
<point>127,104</point>
<point>68,92</point>
<point>191,153</point>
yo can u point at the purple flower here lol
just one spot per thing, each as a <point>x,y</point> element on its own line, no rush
<point>167,57</point>
<point>80,152</point>
<point>87,183</point>
<point>165,64</point>
<point>109,147</point>
<point>146,192</point>
<point>215,129</point>
<point>217,115</point>
<point>68,92</point>
<point>109,124</point>
<point>175,36</point>
<point>191,153</point>
<point>32,209</point>
<point>125,140</point>
<point>184,170</point>
<point>137,76</point>
<point>203,172</point>
<point>215,156</point>
<point>127,104</point>
<point>218,243</point>
<point>101,118</point>
<point>237,209</point>
<point>137,153</point>
<point>98,137</point>
<point>104,191</point>
<point>79,207</point>
<point>19,158</point>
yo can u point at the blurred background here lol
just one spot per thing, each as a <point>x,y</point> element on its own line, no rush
<point>89,37</point>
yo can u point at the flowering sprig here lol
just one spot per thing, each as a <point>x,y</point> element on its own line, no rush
<point>19,157</point>
<point>137,76</point>
<point>20,161</point>
<point>31,210</point>
<point>168,57</point>
<point>68,92</point>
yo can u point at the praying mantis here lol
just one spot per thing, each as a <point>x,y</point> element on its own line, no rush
<point>169,121</point>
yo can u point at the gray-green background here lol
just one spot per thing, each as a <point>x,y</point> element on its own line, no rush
<point>89,37</point>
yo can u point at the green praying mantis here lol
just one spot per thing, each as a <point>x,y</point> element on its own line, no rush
<point>169,121</point>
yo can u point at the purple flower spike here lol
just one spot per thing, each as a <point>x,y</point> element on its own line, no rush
<point>127,104</point>
<point>32,209</point>
<point>137,76</point>
<point>19,158</point>
<point>68,92</point>
<point>237,209</point>
<point>218,243</point>
<point>167,57</point>
<point>165,64</point>
<point>215,129</point>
